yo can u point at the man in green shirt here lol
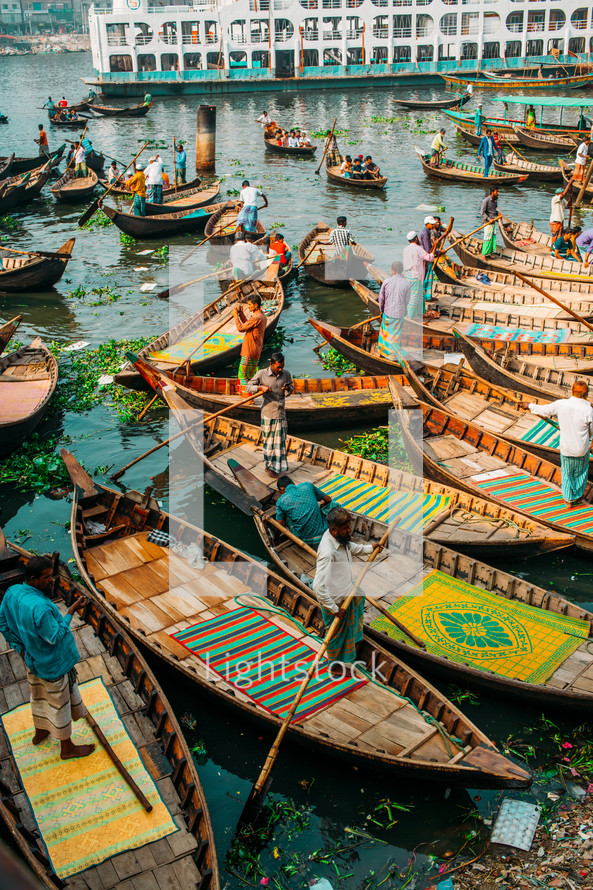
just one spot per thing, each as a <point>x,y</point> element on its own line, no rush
<point>298,509</point>
<point>34,626</point>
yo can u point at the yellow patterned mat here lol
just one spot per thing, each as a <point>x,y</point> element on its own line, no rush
<point>182,349</point>
<point>85,811</point>
<point>465,624</point>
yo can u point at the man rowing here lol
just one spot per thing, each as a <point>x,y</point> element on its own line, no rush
<point>438,147</point>
<point>137,185</point>
<point>298,508</point>
<point>253,327</point>
<point>247,219</point>
<point>575,420</point>
<point>275,383</point>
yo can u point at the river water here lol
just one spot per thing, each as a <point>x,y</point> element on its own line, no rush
<point>340,798</point>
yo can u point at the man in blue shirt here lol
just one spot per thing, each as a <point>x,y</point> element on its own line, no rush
<point>298,509</point>
<point>486,151</point>
<point>33,625</point>
<point>180,163</point>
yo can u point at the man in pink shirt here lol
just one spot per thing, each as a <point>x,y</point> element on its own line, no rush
<point>415,257</point>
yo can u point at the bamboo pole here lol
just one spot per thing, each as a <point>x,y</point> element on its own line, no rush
<point>514,149</point>
<point>327,141</point>
<point>94,206</point>
<point>469,234</point>
<point>259,787</point>
<point>562,306</point>
<point>207,238</point>
<point>117,762</point>
<point>583,189</point>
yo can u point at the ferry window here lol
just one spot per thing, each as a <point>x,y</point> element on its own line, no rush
<point>450,2</point>
<point>311,58</point>
<point>211,31</point>
<point>259,5</point>
<point>260,30</point>
<point>116,34</point>
<point>238,60</point>
<point>169,61</point>
<point>284,29</point>
<point>536,21</point>
<point>120,63</point>
<point>579,20</point>
<point>332,57</point>
<point>423,2</point>
<point>353,27</point>
<point>491,22</point>
<point>260,59</point>
<point>402,25</point>
<point>192,61</point>
<point>402,54</point>
<point>470,23</point>
<point>354,56</point>
<point>424,26</point>
<point>332,4</point>
<point>381,27</point>
<point>190,32</point>
<point>513,49</point>
<point>380,2</point>
<point>353,4</point>
<point>169,33</point>
<point>576,45</point>
<point>402,2</point>
<point>515,22</point>
<point>469,50</point>
<point>380,56</point>
<point>144,33</point>
<point>491,50</point>
<point>555,43</point>
<point>449,24</point>
<point>214,60</point>
<point>237,31</point>
<point>331,30</point>
<point>535,47</point>
<point>146,62</point>
<point>557,20</point>
<point>310,30</point>
<point>309,4</point>
<point>447,52</point>
<point>424,53</point>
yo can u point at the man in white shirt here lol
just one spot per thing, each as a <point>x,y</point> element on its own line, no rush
<point>333,582</point>
<point>246,258</point>
<point>415,257</point>
<point>264,119</point>
<point>293,142</point>
<point>575,420</point>
<point>247,219</point>
<point>80,168</point>
<point>581,159</point>
<point>154,179</point>
<point>557,214</point>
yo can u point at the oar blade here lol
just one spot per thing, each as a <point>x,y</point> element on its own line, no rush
<point>88,213</point>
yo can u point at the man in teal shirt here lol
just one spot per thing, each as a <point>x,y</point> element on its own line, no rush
<point>478,120</point>
<point>298,509</point>
<point>33,625</point>
<point>180,164</point>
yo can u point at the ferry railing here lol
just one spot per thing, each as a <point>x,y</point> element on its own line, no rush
<point>191,39</point>
<point>397,32</point>
<point>117,40</point>
<point>381,33</point>
<point>144,39</point>
<point>332,35</point>
<point>515,27</point>
<point>310,34</point>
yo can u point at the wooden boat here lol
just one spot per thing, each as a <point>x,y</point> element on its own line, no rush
<point>28,378</point>
<point>15,873</point>
<point>188,200</point>
<point>222,225</point>
<point>461,392</point>
<point>540,172</point>
<point>269,273</point>
<point>182,343</point>
<point>541,84</point>
<point>116,111</point>
<point>509,371</point>
<point>24,165</point>
<point>567,175</point>
<point>74,122</point>
<point>458,171</point>
<point>231,584</point>
<point>505,125</point>
<point>83,105</point>
<point>9,328</point>
<point>108,652</point>
<point>457,452</point>
<point>435,104</point>
<point>5,165</point>
<point>544,141</point>
<point>529,264</point>
<point>179,223</point>
<point>302,151</point>
<point>509,289</point>
<point>19,191</point>
<point>468,527</point>
<point>71,188</point>
<point>32,272</point>
<point>314,404</point>
<point>523,236</point>
<point>333,162</point>
<point>473,139</point>
<point>95,161</point>
<point>122,192</point>
<point>323,262</point>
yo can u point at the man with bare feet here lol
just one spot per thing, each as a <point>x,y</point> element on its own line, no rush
<point>33,625</point>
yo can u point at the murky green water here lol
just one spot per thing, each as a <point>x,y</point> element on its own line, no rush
<point>340,796</point>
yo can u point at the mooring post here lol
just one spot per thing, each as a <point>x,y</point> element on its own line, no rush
<point>206,139</point>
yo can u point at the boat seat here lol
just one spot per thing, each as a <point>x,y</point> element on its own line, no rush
<point>9,263</point>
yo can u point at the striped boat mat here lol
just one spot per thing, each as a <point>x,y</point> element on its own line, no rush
<point>264,662</point>
<point>537,498</point>
<point>84,810</point>
<point>515,335</point>
<point>543,433</point>
<point>464,624</point>
<point>384,504</point>
<point>181,350</point>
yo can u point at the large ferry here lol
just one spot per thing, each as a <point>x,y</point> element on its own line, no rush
<point>218,46</point>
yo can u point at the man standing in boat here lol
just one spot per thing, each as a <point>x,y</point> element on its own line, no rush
<point>489,213</point>
<point>42,142</point>
<point>34,626</point>
<point>557,211</point>
<point>394,297</point>
<point>253,328</point>
<point>437,148</point>
<point>478,119</point>
<point>275,383</point>
<point>415,258</point>
<point>247,219</point>
<point>333,582</point>
<point>485,150</point>
<point>154,179</point>
<point>575,420</point>
<point>137,185</point>
<point>180,163</point>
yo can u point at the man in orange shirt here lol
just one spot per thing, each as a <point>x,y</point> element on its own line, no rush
<point>254,328</point>
<point>137,185</point>
<point>42,141</point>
<point>166,180</point>
<point>282,251</point>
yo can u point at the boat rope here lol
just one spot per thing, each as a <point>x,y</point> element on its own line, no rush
<point>446,736</point>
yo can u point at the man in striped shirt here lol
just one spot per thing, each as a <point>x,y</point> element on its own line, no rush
<point>341,237</point>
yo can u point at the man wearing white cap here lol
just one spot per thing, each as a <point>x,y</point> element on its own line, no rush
<point>154,179</point>
<point>415,257</point>
<point>425,239</point>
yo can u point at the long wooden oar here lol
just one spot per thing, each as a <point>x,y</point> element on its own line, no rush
<point>469,234</point>
<point>79,143</point>
<point>562,306</point>
<point>207,238</point>
<point>178,435</point>
<point>95,205</point>
<point>439,243</point>
<point>327,142</point>
<point>43,253</point>
<point>186,361</point>
<point>179,288</point>
<point>259,790</point>
<point>117,762</point>
<point>376,605</point>
<point>515,150</point>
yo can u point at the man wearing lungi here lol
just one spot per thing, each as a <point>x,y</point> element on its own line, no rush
<point>489,213</point>
<point>247,219</point>
<point>275,383</point>
<point>394,297</point>
<point>575,419</point>
<point>33,625</point>
<point>415,257</point>
<point>333,582</point>
<point>253,327</point>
